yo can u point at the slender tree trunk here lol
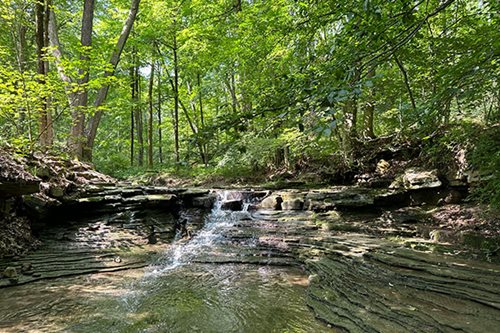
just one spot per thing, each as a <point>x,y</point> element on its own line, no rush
<point>22,46</point>
<point>202,120</point>
<point>406,81</point>
<point>194,129</point>
<point>138,117</point>
<point>351,107</point>
<point>176,101</point>
<point>350,133</point>
<point>150,118</point>
<point>45,124</point>
<point>50,127</point>
<point>192,103</point>
<point>160,148</point>
<point>200,99</point>
<point>368,111</point>
<point>132,113</point>
<point>231,85</point>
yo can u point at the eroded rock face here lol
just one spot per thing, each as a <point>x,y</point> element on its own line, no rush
<point>399,290</point>
<point>15,180</point>
<point>15,236</point>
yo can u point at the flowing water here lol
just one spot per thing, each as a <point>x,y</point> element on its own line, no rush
<point>194,286</point>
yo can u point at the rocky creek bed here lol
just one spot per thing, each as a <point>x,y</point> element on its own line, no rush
<point>374,264</point>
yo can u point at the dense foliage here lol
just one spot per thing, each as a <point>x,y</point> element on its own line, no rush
<point>243,86</point>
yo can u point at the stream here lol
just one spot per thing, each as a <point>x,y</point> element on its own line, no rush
<point>192,285</point>
<point>347,261</point>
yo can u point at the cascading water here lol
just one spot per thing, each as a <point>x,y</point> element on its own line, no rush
<point>184,250</point>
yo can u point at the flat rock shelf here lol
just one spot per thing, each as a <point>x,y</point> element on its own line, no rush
<point>249,265</point>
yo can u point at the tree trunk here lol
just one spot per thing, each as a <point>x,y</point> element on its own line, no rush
<point>194,129</point>
<point>202,121</point>
<point>176,101</point>
<point>132,113</point>
<point>368,111</point>
<point>21,46</point>
<point>50,127</point>
<point>350,109</point>
<point>160,148</point>
<point>138,117</point>
<point>103,91</point>
<point>45,123</point>
<point>150,118</point>
<point>76,138</point>
<point>351,106</point>
<point>231,84</point>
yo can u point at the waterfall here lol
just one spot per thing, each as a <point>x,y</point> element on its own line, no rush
<point>183,251</point>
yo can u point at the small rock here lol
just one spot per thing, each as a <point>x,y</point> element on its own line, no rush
<point>10,272</point>
<point>94,227</point>
<point>454,197</point>
<point>382,167</point>
<point>312,278</point>
<point>272,202</point>
<point>294,204</point>
<point>444,236</point>
<point>43,172</point>
<point>26,267</point>
<point>56,191</point>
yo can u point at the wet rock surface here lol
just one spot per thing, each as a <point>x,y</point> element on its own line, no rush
<point>371,272</point>
<point>373,268</point>
<point>108,243</point>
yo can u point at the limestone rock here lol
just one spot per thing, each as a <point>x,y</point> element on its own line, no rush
<point>272,202</point>
<point>10,272</point>
<point>56,191</point>
<point>382,167</point>
<point>293,204</point>
<point>26,267</point>
<point>415,179</point>
<point>444,236</point>
<point>292,200</point>
<point>339,198</point>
